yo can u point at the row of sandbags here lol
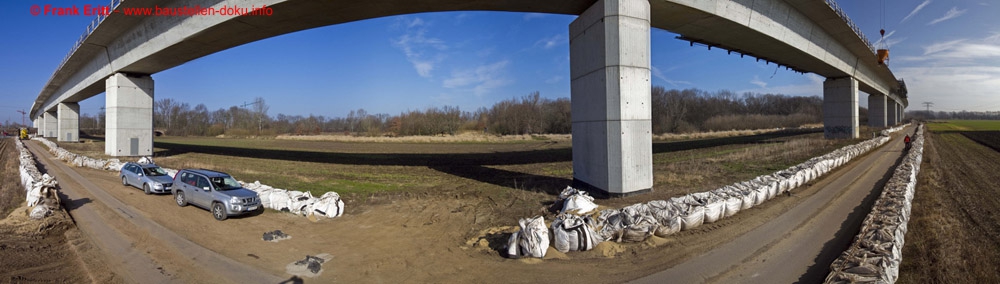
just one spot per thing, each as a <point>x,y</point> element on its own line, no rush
<point>40,189</point>
<point>329,205</point>
<point>876,253</point>
<point>301,203</point>
<point>80,160</point>
<point>572,228</point>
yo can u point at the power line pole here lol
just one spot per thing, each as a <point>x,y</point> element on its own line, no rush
<point>928,105</point>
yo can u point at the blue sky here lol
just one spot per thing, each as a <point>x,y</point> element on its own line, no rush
<point>947,51</point>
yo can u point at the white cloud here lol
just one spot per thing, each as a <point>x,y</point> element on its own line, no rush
<point>954,87</point>
<point>941,46</point>
<point>659,75</point>
<point>915,10</point>
<point>552,41</point>
<point>418,47</point>
<point>482,79</point>
<point>812,88</point>
<point>951,14</point>
<point>995,37</point>
<point>959,52</point>
<point>888,40</point>
<point>758,82</point>
<point>554,79</point>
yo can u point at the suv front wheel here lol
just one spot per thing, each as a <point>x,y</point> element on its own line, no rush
<point>218,211</point>
<point>181,200</point>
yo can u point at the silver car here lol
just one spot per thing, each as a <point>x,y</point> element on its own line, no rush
<point>216,191</point>
<point>149,177</point>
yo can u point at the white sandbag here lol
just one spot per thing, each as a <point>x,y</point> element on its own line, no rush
<point>573,233</point>
<point>610,224</point>
<point>329,205</point>
<point>578,203</point>
<point>567,192</point>
<point>714,210</point>
<point>39,212</point>
<point>640,227</point>
<point>280,201</point>
<point>733,206</point>
<point>532,240</point>
<point>748,199</point>
<point>145,160</point>
<point>693,217</point>
<point>664,214</point>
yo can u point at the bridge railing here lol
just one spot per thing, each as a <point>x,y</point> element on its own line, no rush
<point>836,8</point>
<point>90,29</point>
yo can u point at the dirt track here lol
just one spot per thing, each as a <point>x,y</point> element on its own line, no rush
<point>415,240</point>
<point>799,245</point>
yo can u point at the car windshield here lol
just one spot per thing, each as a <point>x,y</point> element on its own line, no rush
<point>225,183</point>
<point>154,171</point>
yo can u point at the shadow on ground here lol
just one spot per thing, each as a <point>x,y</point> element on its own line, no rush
<point>475,166</point>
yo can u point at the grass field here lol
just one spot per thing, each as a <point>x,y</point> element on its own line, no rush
<point>513,175</point>
<point>964,125</point>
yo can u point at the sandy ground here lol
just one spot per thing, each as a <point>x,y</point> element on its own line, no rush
<point>51,250</point>
<point>422,239</point>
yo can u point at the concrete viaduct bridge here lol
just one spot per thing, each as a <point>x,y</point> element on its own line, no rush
<point>609,62</point>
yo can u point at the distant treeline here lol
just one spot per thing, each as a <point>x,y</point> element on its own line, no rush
<point>968,115</point>
<point>673,111</point>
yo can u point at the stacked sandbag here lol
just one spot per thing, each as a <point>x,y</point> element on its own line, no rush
<point>40,188</point>
<point>80,160</point>
<point>574,233</point>
<point>532,240</point>
<point>296,202</point>
<point>876,253</point>
<point>576,202</point>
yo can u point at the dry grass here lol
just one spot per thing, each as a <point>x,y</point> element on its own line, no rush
<point>11,193</point>
<point>468,137</point>
<point>953,233</point>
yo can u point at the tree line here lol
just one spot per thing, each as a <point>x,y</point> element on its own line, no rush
<point>673,111</point>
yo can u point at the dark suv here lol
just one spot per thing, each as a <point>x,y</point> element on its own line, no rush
<point>216,191</point>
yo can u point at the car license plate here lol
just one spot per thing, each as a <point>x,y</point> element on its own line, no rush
<point>251,208</point>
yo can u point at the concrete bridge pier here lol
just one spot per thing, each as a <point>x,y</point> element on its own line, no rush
<point>610,93</point>
<point>893,110</point>
<point>51,124</point>
<point>69,122</point>
<point>129,110</point>
<point>877,110</point>
<point>840,108</point>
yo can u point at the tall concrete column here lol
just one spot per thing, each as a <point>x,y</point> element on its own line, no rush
<point>129,112</point>
<point>51,124</point>
<point>892,116</point>
<point>69,122</point>
<point>840,108</point>
<point>877,110</point>
<point>610,93</point>
<point>901,113</point>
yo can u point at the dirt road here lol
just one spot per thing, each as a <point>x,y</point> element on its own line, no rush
<point>139,249</point>
<point>799,245</point>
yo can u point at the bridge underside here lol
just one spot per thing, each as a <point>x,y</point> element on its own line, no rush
<point>609,52</point>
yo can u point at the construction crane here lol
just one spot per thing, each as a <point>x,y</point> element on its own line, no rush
<point>22,117</point>
<point>883,49</point>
